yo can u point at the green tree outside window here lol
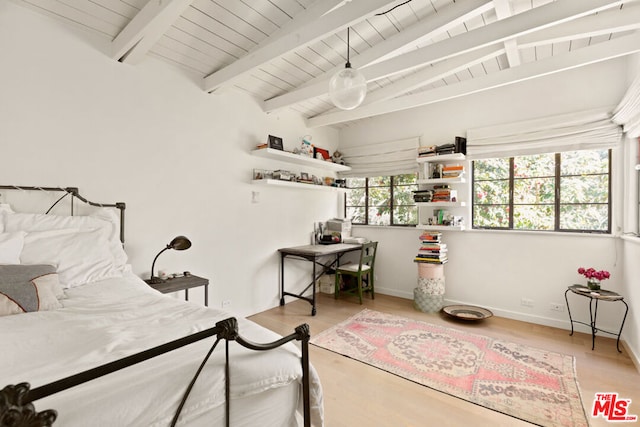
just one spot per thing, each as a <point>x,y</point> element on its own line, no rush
<point>382,200</point>
<point>567,191</point>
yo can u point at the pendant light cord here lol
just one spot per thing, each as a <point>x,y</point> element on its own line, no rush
<point>348,64</point>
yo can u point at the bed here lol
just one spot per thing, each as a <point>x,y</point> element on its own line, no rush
<point>71,350</point>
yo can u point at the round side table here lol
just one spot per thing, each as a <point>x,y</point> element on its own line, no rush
<point>594,298</point>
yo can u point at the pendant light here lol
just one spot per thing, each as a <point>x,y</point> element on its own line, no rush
<point>348,87</point>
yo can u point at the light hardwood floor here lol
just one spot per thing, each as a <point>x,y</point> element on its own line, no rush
<point>356,394</point>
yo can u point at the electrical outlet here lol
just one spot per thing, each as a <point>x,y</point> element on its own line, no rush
<point>554,306</point>
<point>226,303</point>
<point>526,302</point>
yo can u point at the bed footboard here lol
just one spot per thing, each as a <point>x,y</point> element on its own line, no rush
<point>16,401</point>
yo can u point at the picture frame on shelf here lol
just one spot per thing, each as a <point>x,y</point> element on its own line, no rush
<point>324,154</point>
<point>304,176</point>
<point>275,142</point>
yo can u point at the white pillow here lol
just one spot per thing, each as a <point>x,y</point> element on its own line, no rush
<point>4,207</point>
<point>105,219</point>
<point>11,247</point>
<point>80,256</point>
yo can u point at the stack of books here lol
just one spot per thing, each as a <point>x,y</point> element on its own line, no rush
<point>452,171</point>
<point>432,250</point>
<point>445,149</point>
<point>422,196</point>
<point>442,193</point>
<point>459,146</point>
<point>427,151</point>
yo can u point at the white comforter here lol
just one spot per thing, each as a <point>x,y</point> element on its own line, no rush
<point>108,320</point>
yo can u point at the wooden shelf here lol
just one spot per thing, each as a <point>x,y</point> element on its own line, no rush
<point>432,181</point>
<point>441,204</point>
<point>299,185</point>
<point>270,153</point>
<point>442,158</point>
<point>440,227</point>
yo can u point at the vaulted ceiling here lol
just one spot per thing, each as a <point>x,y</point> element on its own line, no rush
<point>412,53</point>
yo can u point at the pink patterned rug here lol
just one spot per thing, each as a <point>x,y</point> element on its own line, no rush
<point>534,385</point>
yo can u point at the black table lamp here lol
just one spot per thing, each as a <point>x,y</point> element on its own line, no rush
<point>179,243</point>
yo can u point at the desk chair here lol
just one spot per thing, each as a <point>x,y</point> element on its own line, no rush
<point>363,271</point>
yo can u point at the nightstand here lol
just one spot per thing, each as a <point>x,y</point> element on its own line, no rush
<point>182,283</point>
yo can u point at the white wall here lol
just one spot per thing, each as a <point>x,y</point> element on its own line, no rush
<point>497,269</point>
<point>631,243</point>
<point>147,135</point>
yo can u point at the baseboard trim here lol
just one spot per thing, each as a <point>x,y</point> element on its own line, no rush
<point>523,317</point>
<point>632,355</point>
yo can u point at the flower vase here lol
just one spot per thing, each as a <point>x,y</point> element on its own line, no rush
<point>593,284</point>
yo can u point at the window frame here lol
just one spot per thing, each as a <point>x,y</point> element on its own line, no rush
<point>392,205</point>
<point>557,198</point>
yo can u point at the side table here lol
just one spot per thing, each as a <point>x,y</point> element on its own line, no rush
<point>182,283</point>
<point>594,297</point>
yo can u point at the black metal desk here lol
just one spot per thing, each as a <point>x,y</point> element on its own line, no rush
<point>313,253</point>
<point>595,296</point>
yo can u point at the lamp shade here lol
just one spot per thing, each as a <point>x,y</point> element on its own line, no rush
<point>180,243</point>
<point>347,88</point>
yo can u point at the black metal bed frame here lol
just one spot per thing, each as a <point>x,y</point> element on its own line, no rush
<point>73,192</point>
<point>16,401</point>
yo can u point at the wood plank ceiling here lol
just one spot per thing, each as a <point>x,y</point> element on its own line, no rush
<point>413,53</point>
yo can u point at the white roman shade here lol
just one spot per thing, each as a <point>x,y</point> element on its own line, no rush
<point>627,113</point>
<point>382,159</point>
<point>586,130</point>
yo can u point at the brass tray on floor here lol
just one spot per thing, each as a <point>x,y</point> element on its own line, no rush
<point>467,312</point>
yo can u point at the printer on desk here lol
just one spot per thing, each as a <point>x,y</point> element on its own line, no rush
<point>340,227</point>
<point>332,231</point>
<point>337,231</point>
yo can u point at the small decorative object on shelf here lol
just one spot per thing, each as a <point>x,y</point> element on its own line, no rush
<point>306,148</point>
<point>275,142</point>
<point>321,154</point>
<point>594,277</point>
<point>337,158</point>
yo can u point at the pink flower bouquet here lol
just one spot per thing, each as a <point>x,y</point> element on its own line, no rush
<point>591,273</point>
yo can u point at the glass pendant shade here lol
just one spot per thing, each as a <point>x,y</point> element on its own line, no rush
<point>347,88</point>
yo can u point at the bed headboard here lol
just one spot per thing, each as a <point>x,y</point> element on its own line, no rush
<point>72,193</point>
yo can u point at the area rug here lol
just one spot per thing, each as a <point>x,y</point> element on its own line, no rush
<point>527,383</point>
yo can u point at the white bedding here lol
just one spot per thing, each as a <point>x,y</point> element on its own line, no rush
<point>107,320</point>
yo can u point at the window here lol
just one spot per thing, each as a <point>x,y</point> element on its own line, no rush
<point>384,200</point>
<point>567,191</point>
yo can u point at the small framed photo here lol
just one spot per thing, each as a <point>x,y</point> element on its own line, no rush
<point>321,154</point>
<point>275,142</point>
<point>304,176</point>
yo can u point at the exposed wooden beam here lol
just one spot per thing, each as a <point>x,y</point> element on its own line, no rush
<point>445,19</point>
<point>146,28</point>
<point>618,47</point>
<point>436,72</point>
<point>603,23</point>
<point>301,36</point>
<point>503,11</point>
<point>536,19</point>
<point>315,11</point>
<point>533,20</point>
